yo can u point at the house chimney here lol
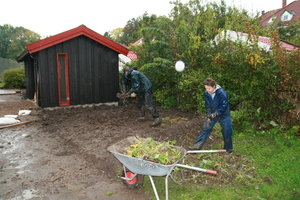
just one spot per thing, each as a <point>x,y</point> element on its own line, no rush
<point>283,3</point>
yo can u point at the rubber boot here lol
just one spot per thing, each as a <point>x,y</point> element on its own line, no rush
<point>156,122</point>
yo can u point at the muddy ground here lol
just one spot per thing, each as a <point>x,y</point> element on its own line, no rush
<point>62,153</point>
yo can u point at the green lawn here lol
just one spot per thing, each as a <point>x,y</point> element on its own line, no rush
<point>261,167</point>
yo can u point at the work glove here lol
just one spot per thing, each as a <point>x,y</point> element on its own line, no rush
<point>133,95</point>
<point>213,115</point>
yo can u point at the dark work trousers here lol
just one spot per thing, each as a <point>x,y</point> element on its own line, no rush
<point>145,101</point>
<point>226,125</point>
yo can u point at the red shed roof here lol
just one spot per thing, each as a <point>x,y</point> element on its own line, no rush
<point>67,35</point>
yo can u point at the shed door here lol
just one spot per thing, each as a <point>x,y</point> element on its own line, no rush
<point>63,79</point>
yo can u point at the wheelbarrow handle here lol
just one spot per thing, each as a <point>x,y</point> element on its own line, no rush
<point>197,169</point>
<point>207,151</point>
<point>211,172</point>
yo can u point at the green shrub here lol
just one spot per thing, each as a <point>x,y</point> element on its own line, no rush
<point>14,77</point>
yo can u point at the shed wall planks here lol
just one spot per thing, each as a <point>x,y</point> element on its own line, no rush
<point>93,72</point>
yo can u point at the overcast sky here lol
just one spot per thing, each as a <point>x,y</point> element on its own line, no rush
<point>52,17</point>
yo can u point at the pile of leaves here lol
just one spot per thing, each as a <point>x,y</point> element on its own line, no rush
<point>159,152</point>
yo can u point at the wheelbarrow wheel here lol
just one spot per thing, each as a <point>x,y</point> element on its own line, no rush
<point>135,183</point>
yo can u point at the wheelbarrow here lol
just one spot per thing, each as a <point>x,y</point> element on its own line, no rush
<point>136,168</point>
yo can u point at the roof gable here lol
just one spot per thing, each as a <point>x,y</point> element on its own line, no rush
<point>67,35</point>
<point>286,16</point>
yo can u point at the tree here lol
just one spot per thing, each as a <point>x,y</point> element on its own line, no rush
<point>116,34</point>
<point>7,64</point>
<point>264,81</point>
<point>14,40</point>
<point>290,33</point>
<point>6,31</point>
<point>108,35</point>
<point>129,33</point>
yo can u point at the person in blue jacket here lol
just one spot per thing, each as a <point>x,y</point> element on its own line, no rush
<point>142,87</point>
<point>217,110</point>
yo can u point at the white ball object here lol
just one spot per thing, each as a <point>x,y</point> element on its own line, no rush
<point>179,66</point>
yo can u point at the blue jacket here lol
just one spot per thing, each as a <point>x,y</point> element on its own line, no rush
<point>140,83</point>
<point>219,104</point>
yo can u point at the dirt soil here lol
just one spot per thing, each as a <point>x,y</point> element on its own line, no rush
<point>62,153</point>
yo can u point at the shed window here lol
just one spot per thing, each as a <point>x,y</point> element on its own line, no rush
<point>63,79</point>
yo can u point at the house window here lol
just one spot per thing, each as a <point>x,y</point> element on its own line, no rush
<point>272,19</point>
<point>63,79</point>
<point>286,16</point>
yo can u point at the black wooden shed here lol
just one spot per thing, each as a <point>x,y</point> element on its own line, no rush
<point>75,67</point>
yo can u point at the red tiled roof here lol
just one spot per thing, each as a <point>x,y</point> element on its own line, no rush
<point>132,55</point>
<point>67,35</point>
<point>287,46</point>
<point>138,41</point>
<point>267,40</point>
<point>293,7</point>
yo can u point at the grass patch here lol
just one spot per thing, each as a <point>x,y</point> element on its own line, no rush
<point>261,167</point>
<point>2,84</point>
